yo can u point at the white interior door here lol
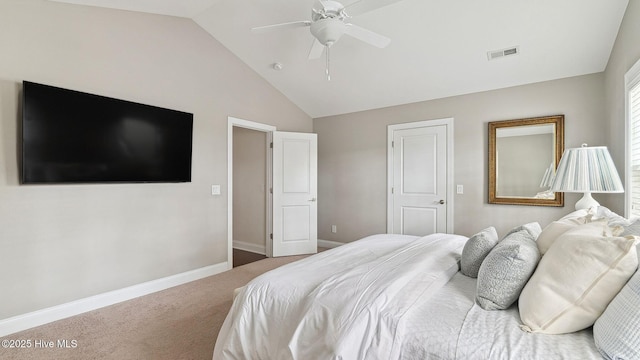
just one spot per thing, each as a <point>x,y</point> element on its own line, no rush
<point>418,180</point>
<point>295,183</point>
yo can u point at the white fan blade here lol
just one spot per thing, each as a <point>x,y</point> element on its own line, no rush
<point>294,24</point>
<point>367,36</point>
<point>363,6</point>
<point>318,6</point>
<point>316,49</point>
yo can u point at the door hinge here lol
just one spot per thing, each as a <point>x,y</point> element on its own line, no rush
<point>271,236</point>
<point>271,190</point>
<point>271,145</point>
<point>392,189</point>
<point>393,143</point>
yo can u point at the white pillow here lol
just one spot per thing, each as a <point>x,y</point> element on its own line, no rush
<point>619,224</point>
<point>580,213</point>
<point>576,279</point>
<point>552,231</point>
<point>602,212</point>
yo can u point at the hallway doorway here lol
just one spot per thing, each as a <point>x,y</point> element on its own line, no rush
<point>249,195</point>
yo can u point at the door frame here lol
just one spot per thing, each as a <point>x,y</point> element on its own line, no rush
<point>268,129</point>
<point>448,123</point>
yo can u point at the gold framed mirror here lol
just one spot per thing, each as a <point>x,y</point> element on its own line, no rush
<point>523,156</point>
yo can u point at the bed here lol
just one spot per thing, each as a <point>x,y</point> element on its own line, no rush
<point>383,297</point>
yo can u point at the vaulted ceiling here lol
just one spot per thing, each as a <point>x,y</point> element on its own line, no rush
<point>438,48</point>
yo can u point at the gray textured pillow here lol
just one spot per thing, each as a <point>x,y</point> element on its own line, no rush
<point>508,267</point>
<point>617,330</point>
<point>476,249</point>
<point>533,229</point>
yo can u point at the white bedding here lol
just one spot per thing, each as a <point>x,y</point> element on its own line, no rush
<point>382,297</point>
<point>457,328</point>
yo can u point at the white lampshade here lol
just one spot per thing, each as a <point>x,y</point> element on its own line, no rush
<point>587,170</point>
<point>548,176</point>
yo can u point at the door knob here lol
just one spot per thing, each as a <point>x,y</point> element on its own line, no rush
<point>441,202</point>
<point>312,199</point>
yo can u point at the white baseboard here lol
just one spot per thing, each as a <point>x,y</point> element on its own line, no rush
<point>40,317</point>
<point>254,248</point>
<point>329,243</point>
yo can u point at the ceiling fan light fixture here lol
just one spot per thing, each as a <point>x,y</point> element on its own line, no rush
<point>328,31</point>
<point>328,24</point>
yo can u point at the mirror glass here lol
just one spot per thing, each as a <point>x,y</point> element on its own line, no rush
<point>523,156</point>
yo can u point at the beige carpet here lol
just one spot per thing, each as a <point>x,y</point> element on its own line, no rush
<point>178,323</point>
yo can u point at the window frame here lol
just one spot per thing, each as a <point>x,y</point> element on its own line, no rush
<point>632,82</point>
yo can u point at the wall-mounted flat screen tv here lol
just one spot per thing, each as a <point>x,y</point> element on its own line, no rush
<point>74,137</point>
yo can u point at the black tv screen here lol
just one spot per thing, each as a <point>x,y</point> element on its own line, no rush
<point>74,137</point>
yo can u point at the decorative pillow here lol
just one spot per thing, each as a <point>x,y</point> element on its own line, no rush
<point>602,212</point>
<point>632,227</point>
<point>552,231</point>
<point>505,271</point>
<point>533,229</point>
<point>619,224</point>
<point>476,249</point>
<point>576,279</point>
<point>579,213</point>
<point>617,331</point>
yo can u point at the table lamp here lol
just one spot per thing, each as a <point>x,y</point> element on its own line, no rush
<point>587,169</point>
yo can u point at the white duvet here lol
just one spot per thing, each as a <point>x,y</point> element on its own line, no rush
<point>347,303</point>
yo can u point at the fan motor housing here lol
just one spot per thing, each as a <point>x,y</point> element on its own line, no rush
<point>330,9</point>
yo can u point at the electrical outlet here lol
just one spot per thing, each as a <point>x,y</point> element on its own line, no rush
<point>215,189</point>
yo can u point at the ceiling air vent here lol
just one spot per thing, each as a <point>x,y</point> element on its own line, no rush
<point>491,55</point>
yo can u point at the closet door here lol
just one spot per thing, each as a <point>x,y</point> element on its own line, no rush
<point>418,194</point>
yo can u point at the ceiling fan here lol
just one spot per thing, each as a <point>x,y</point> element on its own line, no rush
<point>329,22</point>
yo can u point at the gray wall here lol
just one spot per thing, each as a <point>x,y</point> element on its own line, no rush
<point>625,53</point>
<point>352,154</point>
<point>66,242</point>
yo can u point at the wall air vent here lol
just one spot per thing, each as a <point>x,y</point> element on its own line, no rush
<point>492,55</point>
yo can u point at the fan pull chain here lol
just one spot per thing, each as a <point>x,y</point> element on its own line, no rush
<point>328,63</point>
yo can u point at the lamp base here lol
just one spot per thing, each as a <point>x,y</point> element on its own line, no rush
<point>586,202</point>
